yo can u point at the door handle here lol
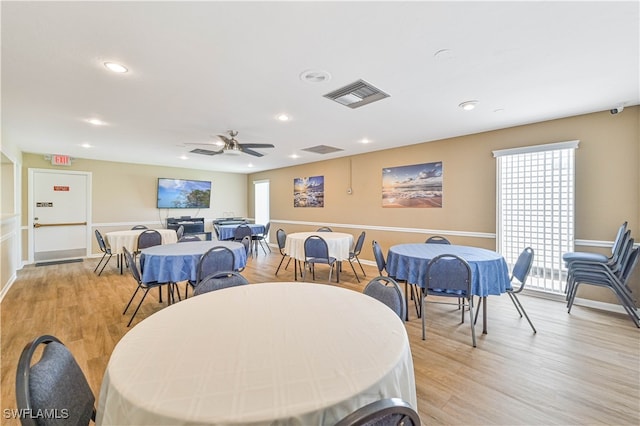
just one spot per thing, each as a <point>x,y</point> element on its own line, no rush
<point>40,225</point>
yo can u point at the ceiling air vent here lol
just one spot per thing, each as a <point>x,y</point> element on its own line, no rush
<point>357,94</point>
<point>322,149</point>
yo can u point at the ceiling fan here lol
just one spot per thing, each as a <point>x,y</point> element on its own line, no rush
<point>231,145</point>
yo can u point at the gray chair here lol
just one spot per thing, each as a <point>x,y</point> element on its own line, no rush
<point>106,251</point>
<point>135,273</point>
<point>519,276</point>
<point>384,412</point>
<point>353,255</point>
<point>216,259</point>
<point>179,232</point>
<point>139,227</point>
<point>219,281</point>
<point>243,231</point>
<point>387,291</point>
<point>437,239</point>
<point>281,238</point>
<point>324,229</point>
<point>55,383</point>
<point>316,251</point>
<point>149,238</point>
<point>261,239</point>
<point>382,267</point>
<point>449,276</point>
<point>189,237</point>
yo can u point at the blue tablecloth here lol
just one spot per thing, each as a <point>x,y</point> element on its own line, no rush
<point>227,231</point>
<point>490,274</point>
<point>178,262</point>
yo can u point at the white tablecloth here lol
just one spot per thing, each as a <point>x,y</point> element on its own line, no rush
<point>259,354</point>
<point>339,244</point>
<point>129,239</point>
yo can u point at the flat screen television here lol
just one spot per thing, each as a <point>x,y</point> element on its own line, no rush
<point>183,194</point>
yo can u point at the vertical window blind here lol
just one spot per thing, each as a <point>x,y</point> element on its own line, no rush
<point>535,194</point>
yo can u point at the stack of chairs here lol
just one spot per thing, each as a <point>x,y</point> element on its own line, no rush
<point>612,272</point>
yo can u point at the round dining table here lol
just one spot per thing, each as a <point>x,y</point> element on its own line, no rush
<point>489,271</point>
<point>129,239</point>
<point>285,353</point>
<point>339,244</point>
<point>178,262</point>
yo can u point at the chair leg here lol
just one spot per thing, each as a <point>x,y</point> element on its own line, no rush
<point>105,264</point>
<point>512,297</point>
<point>424,315</point>
<point>138,307</point>
<point>131,300</point>
<point>98,265</point>
<point>363,274</point>
<point>471,320</point>
<point>521,309</point>
<point>406,301</point>
<point>354,270</point>
<point>280,264</point>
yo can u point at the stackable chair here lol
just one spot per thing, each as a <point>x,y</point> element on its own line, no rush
<point>139,227</point>
<point>135,273</point>
<point>384,412</point>
<point>519,276</point>
<point>240,232</point>
<point>614,277</point>
<point>353,255</point>
<point>382,268</point>
<point>188,238</point>
<point>281,238</point>
<point>387,291</point>
<point>55,383</point>
<point>218,281</point>
<point>179,232</point>
<point>316,251</point>
<point>437,239</point>
<point>449,275</point>
<point>216,259</point>
<point>324,229</point>
<point>106,251</point>
<point>261,239</point>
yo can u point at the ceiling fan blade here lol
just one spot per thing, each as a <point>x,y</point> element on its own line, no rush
<point>225,139</point>
<point>250,151</point>
<point>202,143</point>
<point>206,151</point>
<point>257,145</point>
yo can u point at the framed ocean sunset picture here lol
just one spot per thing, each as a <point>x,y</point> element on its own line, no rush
<point>418,186</point>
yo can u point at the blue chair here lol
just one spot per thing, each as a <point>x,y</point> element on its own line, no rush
<point>219,281</point>
<point>387,291</point>
<point>106,250</point>
<point>437,239</point>
<point>216,259</point>
<point>382,267</point>
<point>353,255</point>
<point>281,238</point>
<point>316,251</point>
<point>449,276</point>
<point>55,383</point>
<point>384,412</point>
<point>519,277</point>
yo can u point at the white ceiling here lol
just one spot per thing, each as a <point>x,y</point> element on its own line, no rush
<point>198,69</point>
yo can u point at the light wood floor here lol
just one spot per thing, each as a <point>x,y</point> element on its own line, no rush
<point>581,368</point>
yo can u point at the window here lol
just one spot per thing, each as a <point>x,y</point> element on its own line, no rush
<point>261,202</point>
<point>536,209</point>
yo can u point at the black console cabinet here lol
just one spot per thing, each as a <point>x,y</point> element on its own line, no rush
<point>193,225</point>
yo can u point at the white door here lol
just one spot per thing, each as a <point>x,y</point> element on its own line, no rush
<point>261,202</point>
<point>58,210</point>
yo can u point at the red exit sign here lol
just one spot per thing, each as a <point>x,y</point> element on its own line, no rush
<point>60,160</point>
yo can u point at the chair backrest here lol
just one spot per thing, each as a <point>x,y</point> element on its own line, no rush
<point>101,244</point>
<point>377,253</point>
<point>188,237</point>
<point>179,232</point>
<point>241,231</point>
<point>216,230</point>
<point>522,266</point>
<point>384,412</point>
<point>267,228</point>
<point>316,247</point>
<point>149,238</point>
<point>132,265</point>
<point>387,291</point>
<point>214,260</point>
<point>246,242</point>
<point>619,239</point>
<point>54,382</point>
<point>324,229</point>
<point>630,265</point>
<point>281,238</point>
<point>139,227</point>
<point>357,248</point>
<point>437,239</point>
<point>448,275</point>
<point>218,281</point>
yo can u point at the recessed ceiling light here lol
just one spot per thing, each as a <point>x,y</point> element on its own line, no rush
<point>294,156</point>
<point>250,165</point>
<point>96,121</point>
<point>85,145</point>
<point>365,141</point>
<point>283,117</point>
<point>184,157</point>
<point>468,105</point>
<point>315,76</point>
<point>112,66</point>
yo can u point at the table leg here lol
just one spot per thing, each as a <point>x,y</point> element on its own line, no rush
<point>484,315</point>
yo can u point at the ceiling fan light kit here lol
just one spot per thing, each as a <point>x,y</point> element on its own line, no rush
<point>231,146</point>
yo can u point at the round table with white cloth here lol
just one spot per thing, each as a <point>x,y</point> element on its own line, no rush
<point>258,354</point>
<point>339,244</point>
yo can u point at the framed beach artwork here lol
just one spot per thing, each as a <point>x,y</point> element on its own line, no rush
<point>308,191</point>
<point>418,185</point>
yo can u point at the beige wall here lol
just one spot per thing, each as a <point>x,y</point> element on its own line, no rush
<point>124,194</point>
<point>607,188</point>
